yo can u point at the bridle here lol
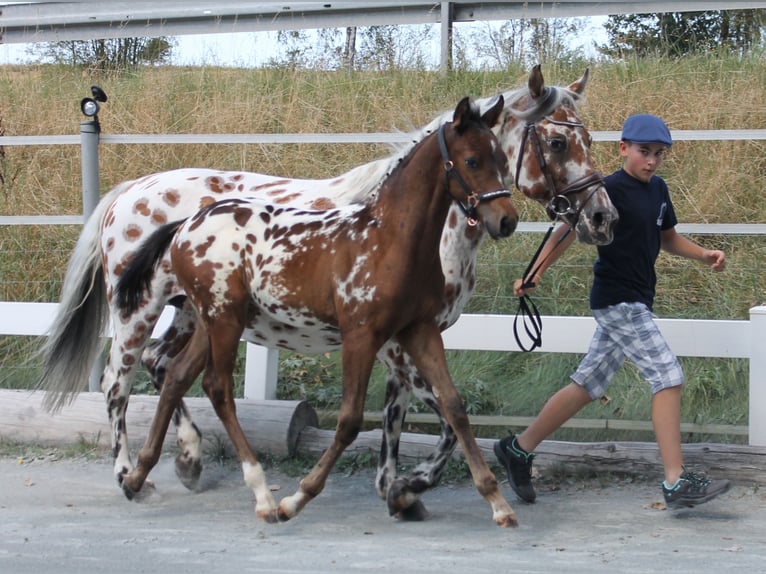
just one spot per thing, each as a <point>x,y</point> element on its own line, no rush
<point>473,199</point>
<point>559,206</point>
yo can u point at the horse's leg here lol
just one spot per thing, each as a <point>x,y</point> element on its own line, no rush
<point>181,372</point>
<point>358,356</point>
<point>155,359</point>
<point>130,336</point>
<point>400,492</point>
<point>424,343</point>
<point>218,384</point>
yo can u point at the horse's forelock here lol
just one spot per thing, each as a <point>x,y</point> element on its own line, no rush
<point>553,98</point>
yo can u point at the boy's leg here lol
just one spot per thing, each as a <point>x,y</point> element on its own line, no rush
<point>514,452</point>
<point>666,419</point>
<point>561,407</point>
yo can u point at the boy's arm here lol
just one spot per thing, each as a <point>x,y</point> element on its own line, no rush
<point>556,245</point>
<point>677,244</point>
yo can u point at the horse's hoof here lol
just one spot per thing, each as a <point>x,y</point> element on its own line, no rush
<point>507,521</point>
<point>415,512</point>
<point>188,471</point>
<point>268,517</point>
<point>137,493</point>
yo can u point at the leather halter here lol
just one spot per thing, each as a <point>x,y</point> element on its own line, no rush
<point>559,204</point>
<point>474,199</point>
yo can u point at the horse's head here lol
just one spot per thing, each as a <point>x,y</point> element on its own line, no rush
<point>475,164</point>
<point>549,155</point>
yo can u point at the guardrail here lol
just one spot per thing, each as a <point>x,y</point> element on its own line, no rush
<point>687,337</point>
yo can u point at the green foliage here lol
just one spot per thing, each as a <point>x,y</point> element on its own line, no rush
<point>108,54</point>
<point>676,34</point>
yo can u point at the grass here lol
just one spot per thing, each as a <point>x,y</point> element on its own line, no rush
<point>710,181</point>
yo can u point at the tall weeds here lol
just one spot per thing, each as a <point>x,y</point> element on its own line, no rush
<point>711,181</point>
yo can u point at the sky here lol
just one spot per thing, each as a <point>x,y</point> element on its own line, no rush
<point>255,48</point>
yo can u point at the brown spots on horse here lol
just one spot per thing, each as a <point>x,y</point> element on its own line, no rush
<point>171,197</point>
<point>217,184</point>
<point>142,207</point>
<point>287,198</point>
<point>205,200</point>
<point>242,215</point>
<point>280,183</point>
<point>133,232</point>
<point>452,220</point>
<point>322,203</point>
<point>159,217</point>
<point>109,244</point>
<point>201,249</point>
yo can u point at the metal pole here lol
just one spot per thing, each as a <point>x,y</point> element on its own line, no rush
<point>446,38</point>
<point>91,193</point>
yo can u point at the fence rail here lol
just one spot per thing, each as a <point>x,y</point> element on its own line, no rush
<point>687,337</point>
<point>693,338</point>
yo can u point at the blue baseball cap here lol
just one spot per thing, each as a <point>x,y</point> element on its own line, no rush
<point>646,129</point>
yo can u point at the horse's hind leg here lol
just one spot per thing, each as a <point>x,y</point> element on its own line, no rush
<point>155,359</point>
<point>181,372</point>
<point>423,342</point>
<point>402,493</point>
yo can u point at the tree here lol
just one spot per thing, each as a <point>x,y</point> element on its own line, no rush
<point>676,34</point>
<point>109,54</point>
<point>521,43</point>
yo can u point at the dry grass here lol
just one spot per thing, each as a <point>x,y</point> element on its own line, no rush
<point>711,182</point>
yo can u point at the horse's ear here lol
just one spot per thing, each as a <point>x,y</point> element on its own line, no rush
<point>578,86</point>
<point>492,115</point>
<point>464,111</point>
<point>536,83</point>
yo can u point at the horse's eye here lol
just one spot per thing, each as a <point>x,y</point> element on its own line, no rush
<point>558,144</point>
<point>471,163</point>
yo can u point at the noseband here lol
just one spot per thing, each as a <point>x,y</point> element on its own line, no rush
<point>560,204</point>
<point>473,199</point>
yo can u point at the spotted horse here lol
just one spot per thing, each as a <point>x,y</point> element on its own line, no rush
<point>361,275</point>
<point>547,146</point>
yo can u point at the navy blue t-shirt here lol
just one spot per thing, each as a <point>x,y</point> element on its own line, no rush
<point>624,271</point>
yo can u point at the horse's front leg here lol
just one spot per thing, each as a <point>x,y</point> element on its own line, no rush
<point>358,356</point>
<point>424,343</point>
<point>155,358</point>
<point>181,372</point>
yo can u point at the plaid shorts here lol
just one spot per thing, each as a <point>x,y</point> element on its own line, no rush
<point>627,331</point>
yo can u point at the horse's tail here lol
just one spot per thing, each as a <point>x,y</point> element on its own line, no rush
<point>136,279</point>
<point>74,338</point>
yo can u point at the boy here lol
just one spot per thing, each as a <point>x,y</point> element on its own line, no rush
<point>621,300</point>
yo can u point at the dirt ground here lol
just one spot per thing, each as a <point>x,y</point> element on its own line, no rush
<point>69,516</point>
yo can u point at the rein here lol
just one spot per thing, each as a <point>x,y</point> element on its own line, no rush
<point>530,316</point>
<point>473,199</point>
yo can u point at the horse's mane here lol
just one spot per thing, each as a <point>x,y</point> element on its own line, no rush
<point>363,181</point>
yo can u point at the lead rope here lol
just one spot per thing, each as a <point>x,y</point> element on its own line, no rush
<point>530,316</point>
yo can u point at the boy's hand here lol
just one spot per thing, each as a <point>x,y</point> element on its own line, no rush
<point>716,259</point>
<point>519,292</point>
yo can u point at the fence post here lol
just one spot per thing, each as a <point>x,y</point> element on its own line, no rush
<point>757,404</point>
<point>91,193</point>
<point>261,368</point>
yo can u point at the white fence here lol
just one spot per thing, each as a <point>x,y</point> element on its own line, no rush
<point>687,337</point>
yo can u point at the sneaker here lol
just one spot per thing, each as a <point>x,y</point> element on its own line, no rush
<point>692,489</point>
<point>518,465</point>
